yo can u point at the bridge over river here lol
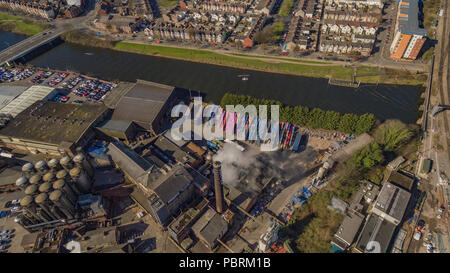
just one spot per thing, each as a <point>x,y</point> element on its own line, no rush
<point>26,46</point>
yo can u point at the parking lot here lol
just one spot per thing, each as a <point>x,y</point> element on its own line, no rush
<point>12,242</point>
<point>73,88</point>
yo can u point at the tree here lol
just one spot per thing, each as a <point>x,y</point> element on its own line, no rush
<point>392,134</point>
<point>367,157</point>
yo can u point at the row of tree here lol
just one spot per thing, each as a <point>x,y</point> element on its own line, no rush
<point>312,118</point>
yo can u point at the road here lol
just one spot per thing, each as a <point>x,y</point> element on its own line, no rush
<point>436,138</point>
<point>56,29</point>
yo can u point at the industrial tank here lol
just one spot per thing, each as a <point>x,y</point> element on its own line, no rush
<point>54,164</point>
<point>41,166</point>
<point>28,206</point>
<point>81,179</point>
<point>48,177</point>
<point>28,170</point>
<point>42,201</point>
<point>66,163</point>
<point>58,198</point>
<point>45,187</point>
<point>63,174</point>
<point>81,162</point>
<point>35,179</point>
<point>22,182</point>
<point>62,185</point>
<point>31,190</point>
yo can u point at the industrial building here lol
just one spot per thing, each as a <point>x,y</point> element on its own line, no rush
<point>52,190</point>
<point>165,189</point>
<point>146,104</point>
<point>402,180</point>
<point>27,98</point>
<point>377,230</point>
<point>210,227</point>
<point>348,230</point>
<point>391,203</point>
<point>50,127</point>
<point>409,37</point>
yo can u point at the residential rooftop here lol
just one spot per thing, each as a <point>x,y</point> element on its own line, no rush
<point>408,18</point>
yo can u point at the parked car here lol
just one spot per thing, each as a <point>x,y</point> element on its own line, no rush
<point>8,204</point>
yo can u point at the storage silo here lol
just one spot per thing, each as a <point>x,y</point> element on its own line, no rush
<point>54,165</point>
<point>57,212</point>
<point>41,167</point>
<point>66,163</point>
<point>31,190</point>
<point>64,186</point>
<point>22,183</point>
<point>58,198</point>
<point>35,179</point>
<point>82,162</point>
<point>42,201</point>
<point>28,170</point>
<point>63,174</point>
<point>48,177</point>
<point>28,206</point>
<point>45,187</point>
<point>81,179</point>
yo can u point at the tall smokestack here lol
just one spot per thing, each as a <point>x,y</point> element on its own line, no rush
<point>218,186</point>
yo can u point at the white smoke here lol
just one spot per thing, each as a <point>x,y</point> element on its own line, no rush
<point>233,162</point>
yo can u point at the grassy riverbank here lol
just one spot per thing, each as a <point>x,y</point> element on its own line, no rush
<point>14,24</point>
<point>365,74</point>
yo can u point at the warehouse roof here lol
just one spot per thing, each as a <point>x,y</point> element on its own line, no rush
<point>27,98</point>
<point>170,185</point>
<point>392,201</point>
<point>378,230</point>
<point>401,180</point>
<point>9,93</point>
<point>408,19</point>
<point>142,103</point>
<point>115,125</point>
<point>127,159</point>
<point>53,122</point>
<point>349,227</point>
<point>210,226</point>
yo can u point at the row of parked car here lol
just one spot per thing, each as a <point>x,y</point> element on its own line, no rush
<point>93,89</point>
<point>5,239</point>
<point>59,77</point>
<point>39,78</point>
<point>15,74</point>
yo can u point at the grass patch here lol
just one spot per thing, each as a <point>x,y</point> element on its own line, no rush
<point>20,25</point>
<point>78,37</point>
<point>279,58</point>
<point>167,3</point>
<point>286,7</point>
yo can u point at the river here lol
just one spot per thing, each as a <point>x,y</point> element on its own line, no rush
<point>385,101</point>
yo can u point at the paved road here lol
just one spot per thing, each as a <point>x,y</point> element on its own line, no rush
<point>56,29</point>
<point>28,44</point>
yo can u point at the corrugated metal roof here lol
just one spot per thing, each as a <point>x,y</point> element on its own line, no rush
<point>408,21</point>
<point>142,103</point>
<point>9,93</point>
<point>26,99</point>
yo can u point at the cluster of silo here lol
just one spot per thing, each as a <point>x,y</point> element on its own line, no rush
<point>52,188</point>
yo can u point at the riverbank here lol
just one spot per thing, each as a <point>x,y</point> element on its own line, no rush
<point>365,74</point>
<point>18,25</point>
